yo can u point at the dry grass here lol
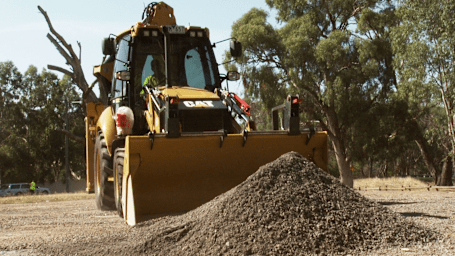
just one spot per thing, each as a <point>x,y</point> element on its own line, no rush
<point>46,198</point>
<point>393,182</point>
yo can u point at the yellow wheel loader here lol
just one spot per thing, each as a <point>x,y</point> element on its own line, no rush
<point>171,138</point>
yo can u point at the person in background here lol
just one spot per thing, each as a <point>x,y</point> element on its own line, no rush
<point>32,187</point>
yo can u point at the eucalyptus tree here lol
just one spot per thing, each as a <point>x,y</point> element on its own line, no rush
<point>14,158</point>
<point>424,48</point>
<point>32,110</point>
<point>48,100</point>
<point>335,54</point>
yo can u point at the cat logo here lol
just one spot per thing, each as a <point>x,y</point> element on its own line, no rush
<point>198,104</point>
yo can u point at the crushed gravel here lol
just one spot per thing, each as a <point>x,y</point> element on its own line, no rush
<point>288,207</point>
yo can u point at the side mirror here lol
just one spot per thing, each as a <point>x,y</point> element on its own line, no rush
<point>233,76</point>
<point>236,49</point>
<point>108,46</point>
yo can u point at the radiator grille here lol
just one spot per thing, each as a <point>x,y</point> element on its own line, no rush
<point>202,120</point>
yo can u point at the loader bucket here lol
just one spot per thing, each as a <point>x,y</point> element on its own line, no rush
<point>180,174</point>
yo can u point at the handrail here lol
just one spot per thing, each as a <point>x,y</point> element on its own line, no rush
<point>155,101</point>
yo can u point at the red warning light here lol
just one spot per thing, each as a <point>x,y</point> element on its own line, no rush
<point>295,101</point>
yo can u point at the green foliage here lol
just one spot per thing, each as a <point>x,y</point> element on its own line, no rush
<point>32,109</point>
<point>423,45</point>
<point>335,55</point>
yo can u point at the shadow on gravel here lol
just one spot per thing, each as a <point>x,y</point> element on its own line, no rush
<point>421,214</point>
<point>393,203</point>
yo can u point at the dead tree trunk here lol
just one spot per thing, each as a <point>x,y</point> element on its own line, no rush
<point>76,73</point>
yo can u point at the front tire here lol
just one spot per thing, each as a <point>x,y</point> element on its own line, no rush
<point>119,158</point>
<point>104,189</point>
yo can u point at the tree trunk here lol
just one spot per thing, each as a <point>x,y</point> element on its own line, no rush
<point>384,169</point>
<point>343,164</point>
<point>370,167</point>
<point>363,171</point>
<point>339,147</point>
<point>427,158</point>
<point>446,175</point>
<point>425,152</point>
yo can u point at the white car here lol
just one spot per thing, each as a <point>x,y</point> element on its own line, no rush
<point>16,189</point>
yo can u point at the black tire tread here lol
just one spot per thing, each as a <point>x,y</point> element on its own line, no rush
<point>104,196</point>
<point>119,157</point>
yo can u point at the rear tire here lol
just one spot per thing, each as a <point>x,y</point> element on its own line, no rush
<point>104,189</point>
<point>119,158</point>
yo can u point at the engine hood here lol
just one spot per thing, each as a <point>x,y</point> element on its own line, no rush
<point>189,93</point>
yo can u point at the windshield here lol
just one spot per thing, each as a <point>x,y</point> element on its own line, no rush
<point>191,62</point>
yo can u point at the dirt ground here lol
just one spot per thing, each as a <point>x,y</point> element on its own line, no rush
<point>280,210</point>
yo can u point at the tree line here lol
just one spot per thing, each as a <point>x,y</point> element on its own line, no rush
<point>33,109</point>
<point>377,75</point>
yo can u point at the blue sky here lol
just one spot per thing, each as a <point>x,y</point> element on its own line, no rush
<point>24,29</point>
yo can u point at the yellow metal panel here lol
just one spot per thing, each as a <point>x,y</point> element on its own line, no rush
<point>122,34</point>
<point>128,209</point>
<point>105,70</point>
<point>106,124</point>
<point>164,15</point>
<point>89,144</point>
<point>94,110</point>
<point>152,116</point>
<point>131,163</point>
<point>183,173</point>
<point>188,93</point>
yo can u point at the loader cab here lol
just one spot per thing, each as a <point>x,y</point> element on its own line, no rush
<point>174,56</point>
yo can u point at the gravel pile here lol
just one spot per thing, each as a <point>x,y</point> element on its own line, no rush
<point>288,207</point>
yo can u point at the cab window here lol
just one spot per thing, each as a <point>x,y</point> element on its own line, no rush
<point>191,63</point>
<point>121,60</point>
<point>193,69</point>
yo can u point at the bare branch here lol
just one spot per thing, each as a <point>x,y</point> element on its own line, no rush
<point>60,49</point>
<point>348,66</point>
<point>64,71</point>
<point>89,90</point>
<point>59,37</point>
<point>72,60</point>
<point>80,50</point>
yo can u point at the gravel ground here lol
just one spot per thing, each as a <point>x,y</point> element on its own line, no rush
<point>288,207</point>
<point>430,209</point>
